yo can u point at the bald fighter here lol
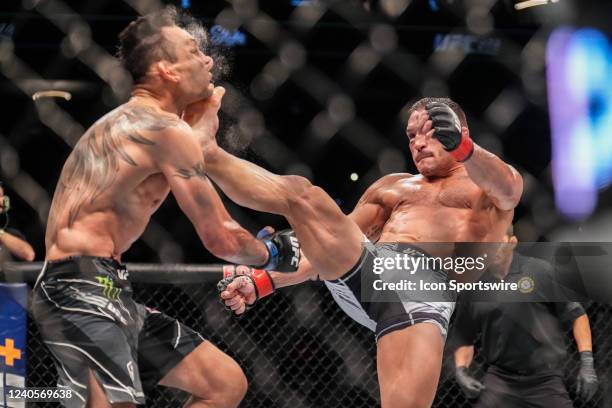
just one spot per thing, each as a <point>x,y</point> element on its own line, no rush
<point>462,194</point>
<point>107,348</point>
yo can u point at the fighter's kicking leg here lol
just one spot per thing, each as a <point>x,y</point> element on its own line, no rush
<point>329,239</point>
<point>319,224</point>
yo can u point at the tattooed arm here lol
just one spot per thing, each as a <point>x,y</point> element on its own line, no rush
<point>181,161</point>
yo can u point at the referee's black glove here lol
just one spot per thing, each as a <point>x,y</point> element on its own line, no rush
<point>587,377</point>
<point>471,387</point>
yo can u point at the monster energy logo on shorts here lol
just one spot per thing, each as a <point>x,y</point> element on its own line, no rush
<point>110,291</point>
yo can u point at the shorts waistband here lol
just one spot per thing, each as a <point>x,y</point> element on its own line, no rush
<point>84,267</point>
<point>405,245</point>
<point>74,258</point>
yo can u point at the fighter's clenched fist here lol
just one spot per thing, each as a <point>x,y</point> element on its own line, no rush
<point>448,130</point>
<point>242,286</point>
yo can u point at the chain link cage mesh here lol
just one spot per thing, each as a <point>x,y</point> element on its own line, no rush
<point>298,349</point>
<point>322,91</point>
<point>314,88</point>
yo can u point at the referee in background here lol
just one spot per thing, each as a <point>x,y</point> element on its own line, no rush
<point>13,243</point>
<point>522,342</point>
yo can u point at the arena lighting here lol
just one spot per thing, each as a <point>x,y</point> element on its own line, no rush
<point>226,37</point>
<point>52,94</point>
<point>466,43</point>
<point>316,92</point>
<point>299,3</point>
<point>579,65</point>
<point>7,30</point>
<point>532,3</point>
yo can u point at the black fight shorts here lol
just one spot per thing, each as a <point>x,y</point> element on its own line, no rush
<point>85,312</point>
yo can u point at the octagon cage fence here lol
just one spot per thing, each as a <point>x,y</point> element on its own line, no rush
<point>320,89</point>
<point>297,348</point>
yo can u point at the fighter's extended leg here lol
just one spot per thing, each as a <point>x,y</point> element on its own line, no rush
<point>329,239</point>
<point>409,363</point>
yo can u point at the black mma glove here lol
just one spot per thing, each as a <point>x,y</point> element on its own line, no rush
<point>471,387</point>
<point>283,250</point>
<point>448,131</point>
<point>587,377</point>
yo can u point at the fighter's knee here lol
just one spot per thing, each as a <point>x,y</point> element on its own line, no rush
<point>237,388</point>
<point>232,391</point>
<point>296,192</point>
<point>297,185</point>
<point>307,193</point>
<point>312,198</point>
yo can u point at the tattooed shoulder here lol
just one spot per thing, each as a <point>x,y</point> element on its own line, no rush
<point>94,163</point>
<point>197,170</point>
<point>146,118</point>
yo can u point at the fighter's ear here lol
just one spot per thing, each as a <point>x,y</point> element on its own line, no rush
<point>513,241</point>
<point>165,71</point>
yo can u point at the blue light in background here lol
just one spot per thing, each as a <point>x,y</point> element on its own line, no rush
<point>185,4</point>
<point>466,43</point>
<point>299,3</point>
<point>579,68</point>
<point>220,35</point>
<point>7,30</point>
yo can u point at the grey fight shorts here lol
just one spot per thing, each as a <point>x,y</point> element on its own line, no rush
<point>383,317</point>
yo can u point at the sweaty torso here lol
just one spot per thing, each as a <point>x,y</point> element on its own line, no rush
<point>446,210</point>
<point>110,185</point>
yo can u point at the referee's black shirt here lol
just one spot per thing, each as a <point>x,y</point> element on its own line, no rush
<point>520,337</point>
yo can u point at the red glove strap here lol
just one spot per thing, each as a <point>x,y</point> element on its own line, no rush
<point>231,270</point>
<point>263,283</point>
<point>464,150</point>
